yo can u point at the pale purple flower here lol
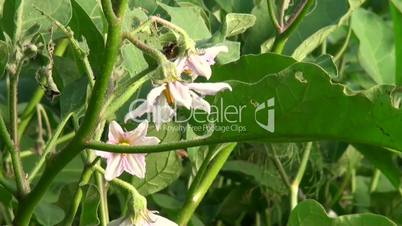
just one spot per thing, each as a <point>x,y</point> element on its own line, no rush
<point>134,164</point>
<point>199,63</point>
<point>148,219</point>
<point>162,99</point>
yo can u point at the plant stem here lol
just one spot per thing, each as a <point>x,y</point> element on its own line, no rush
<point>29,111</point>
<point>344,46</point>
<point>22,185</point>
<point>194,198</point>
<point>49,147</point>
<point>89,122</point>
<point>374,180</point>
<point>7,185</point>
<point>294,22</point>
<point>279,167</point>
<point>294,188</point>
<point>188,42</point>
<point>154,53</point>
<point>84,180</point>
<point>272,14</point>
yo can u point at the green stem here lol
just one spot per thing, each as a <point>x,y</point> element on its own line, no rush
<point>7,185</point>
<point>284,6</point>
<point>193,199</point>
<point>29,111</point>
<point>294,188</point>
<point>344,46</point>
<point>188,42</point>
<point>65,138</point>
<point>89,122</point>
<point>154,53</point>
<point>272,14</point>
<point>279,167</point>
<point>294,22</point>
<point>84,180</point>
<point>49,147</point>
<point>22,185</point>
<point>375,180</point>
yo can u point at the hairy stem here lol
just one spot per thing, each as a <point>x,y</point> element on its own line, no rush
<point>90,120</point>
<point>194,198</point>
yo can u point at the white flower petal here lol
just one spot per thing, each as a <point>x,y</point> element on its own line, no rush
<point>138,112</point>
<point>162,112</point>
<point>154,94</point>
<point>181,64</point>
<point>199,65</point>
<point>161,221</point>
<point>137,133</point>
<point>199,103</point>
<point>212,52</point>
<point>180,93</point>
<point>115,132</point>
<point>135,164</point>
<point>114,167</point>
<point>209,88</point>
<point>148,141</point>
<point>122,221</point>
<point>104,154</point>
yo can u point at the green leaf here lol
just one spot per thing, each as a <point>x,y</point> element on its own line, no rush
<point>48,214</point>
<point>261,31</point>
<point>93,9</point>
<point>261,176</point>
<point>376,50</point>
<point>232,55</point>
<point>167,201</point>
<point>396,12</point>
<point>382,159</point>
<point>238,23</point>
<point>89,208</point>
<point>15,25</point>
<point>133,60</point>
<point>315,28</point>
<point>188,18</point>
<point>84,28</point>
<point>73,97</point>
<point>4,53</point>
<point>238,6</point>
<point>311,213</point>
<point>308,106</point>
<point>162,170</point>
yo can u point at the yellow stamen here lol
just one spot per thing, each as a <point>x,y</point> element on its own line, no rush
<point>168,95</point>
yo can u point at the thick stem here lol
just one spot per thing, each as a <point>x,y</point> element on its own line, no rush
<point>294,188</point>
<point>89,124</point>
<point>294,22</point>
<point>194,198</point>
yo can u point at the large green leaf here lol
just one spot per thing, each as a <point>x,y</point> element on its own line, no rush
<point>14,23</point>
<point>308,106</point>
<point>311,213</point>
<point>376,50</point>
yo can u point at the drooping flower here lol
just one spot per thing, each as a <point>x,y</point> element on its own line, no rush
<point>162,99</point>
<point>134,164</point>
<point>198,63</point>
<point>150,218</point>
